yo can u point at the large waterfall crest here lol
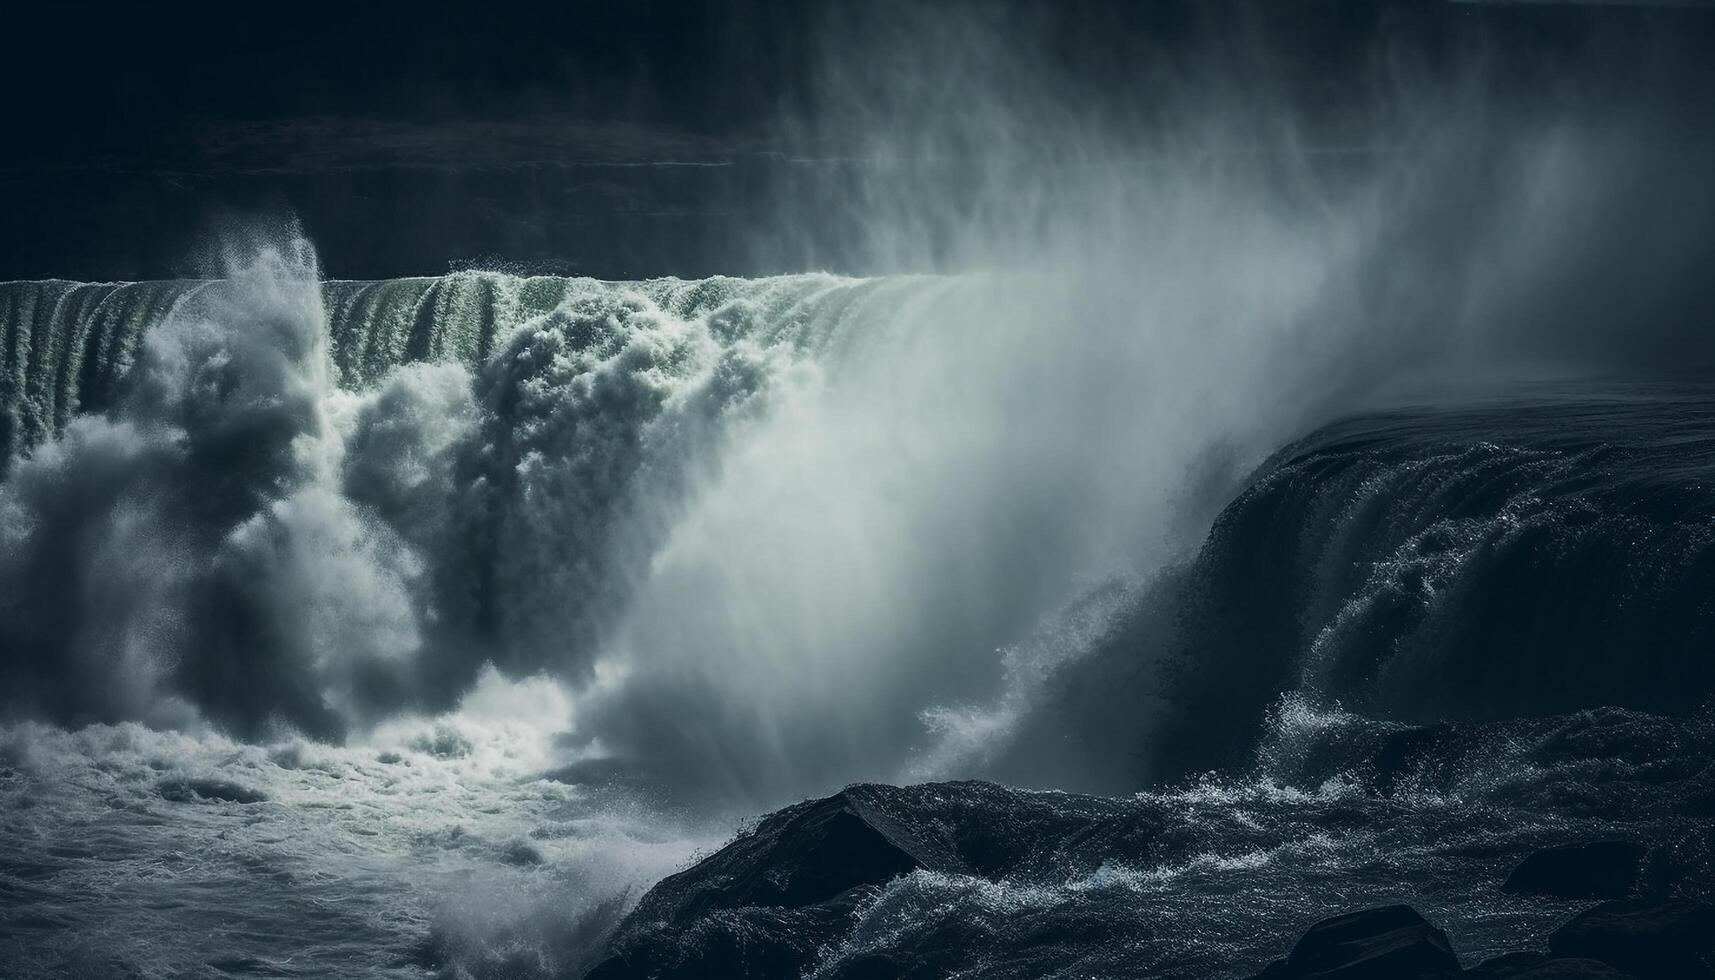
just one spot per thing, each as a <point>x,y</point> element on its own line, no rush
<point>284,504</point>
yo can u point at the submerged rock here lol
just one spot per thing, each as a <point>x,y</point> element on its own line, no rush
<point>1595,869</point>
<point>193,789</point>
<point>1388,943</point>
<point>1666,941</point>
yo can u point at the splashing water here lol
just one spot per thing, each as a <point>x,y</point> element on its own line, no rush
<point>487,599</point>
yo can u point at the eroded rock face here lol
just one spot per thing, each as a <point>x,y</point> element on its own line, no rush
<point>1388,943</point>
<point>1664,941</point>
<point>1594,869</point>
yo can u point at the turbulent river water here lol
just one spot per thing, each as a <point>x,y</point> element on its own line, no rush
<point>415,628</point>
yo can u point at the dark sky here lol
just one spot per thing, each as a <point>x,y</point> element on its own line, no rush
<point>556,136</point>
<point>129,78</point>
<point>119,76</point>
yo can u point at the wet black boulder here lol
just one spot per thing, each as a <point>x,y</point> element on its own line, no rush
<point>1593,869</point>
<point>762,905</point>
<point>1653,941</point>
<point>1388,943</point>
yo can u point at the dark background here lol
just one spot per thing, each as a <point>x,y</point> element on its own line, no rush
<point>628,139</point>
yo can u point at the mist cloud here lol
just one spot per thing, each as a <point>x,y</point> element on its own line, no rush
<point>776,535</point>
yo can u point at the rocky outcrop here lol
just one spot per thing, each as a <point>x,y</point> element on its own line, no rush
<point>867,883</point>
<point>767,904</point>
